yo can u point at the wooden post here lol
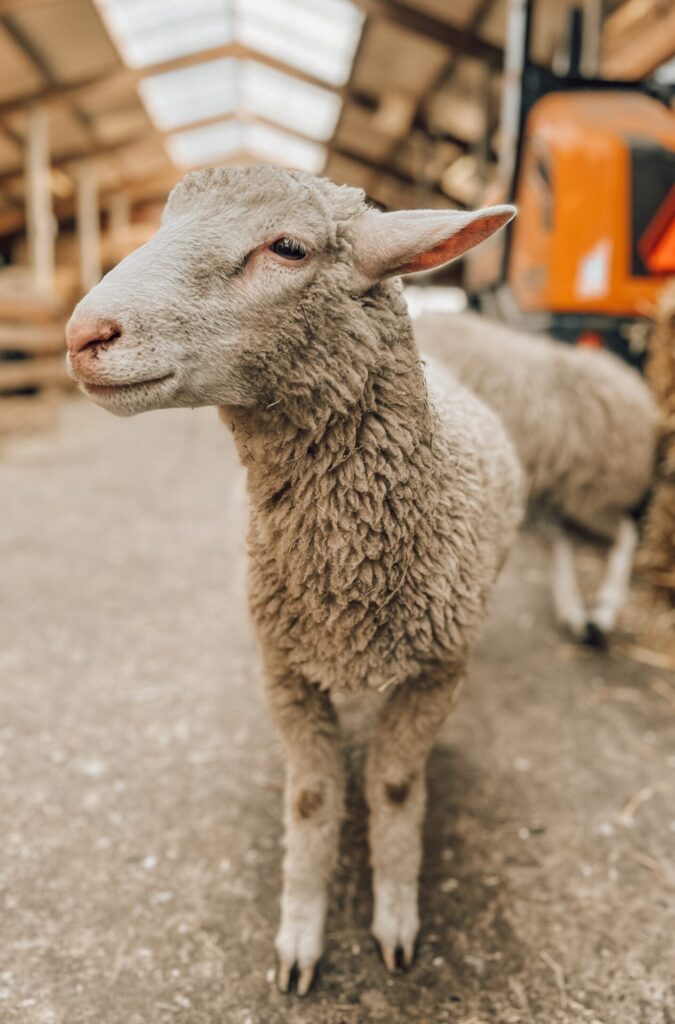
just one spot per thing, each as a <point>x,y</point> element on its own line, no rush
<point>40,217</point>
<point>591,39</point>
<point>516,57</point>
<point>119,211</point>
<point>88,225</point>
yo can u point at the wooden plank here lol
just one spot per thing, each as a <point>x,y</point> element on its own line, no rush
<point>43,339</point>
<point>34,373</point>
<point>31,310</point>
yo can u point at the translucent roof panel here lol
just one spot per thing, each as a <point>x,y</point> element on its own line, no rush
<point>176,98</point>
<point>206,145</point>
<point>316,36</point>
<point>149,31</point>
<point>288,101</point>
<point>281,148</point>
<point>219,141</point>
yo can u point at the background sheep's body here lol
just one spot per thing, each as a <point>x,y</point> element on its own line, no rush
<point>583,424</point>
<point>379,519</point>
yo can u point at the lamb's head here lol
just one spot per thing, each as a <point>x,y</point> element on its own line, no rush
<point>252,278</point>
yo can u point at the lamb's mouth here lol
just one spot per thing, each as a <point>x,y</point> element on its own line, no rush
<point>108,390</point>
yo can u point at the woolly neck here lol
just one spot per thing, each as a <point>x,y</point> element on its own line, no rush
<point>370,405</point>
<point>363,512</point>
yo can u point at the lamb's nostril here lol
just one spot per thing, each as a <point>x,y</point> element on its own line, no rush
<point>91,335</point>
<point>102,339</point>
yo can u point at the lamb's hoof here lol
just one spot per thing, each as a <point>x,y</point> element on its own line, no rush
<point>595,635</point>
<point>399,957</point>
<point>288,972</point>
<point>396,923</point>
<point>299,943</point>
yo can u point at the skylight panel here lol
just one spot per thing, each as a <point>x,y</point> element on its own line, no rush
<point>150,31</point>
<point>278,147</point>
<point>176,98</point>
<point>217,142</point>
<point>317,37</point>
<point>205,145</point>
<point>288,101</point>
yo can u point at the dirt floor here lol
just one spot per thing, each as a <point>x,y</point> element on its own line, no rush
<point>141,782</point>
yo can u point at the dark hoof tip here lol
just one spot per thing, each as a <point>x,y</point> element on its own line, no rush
<point>595,636</point>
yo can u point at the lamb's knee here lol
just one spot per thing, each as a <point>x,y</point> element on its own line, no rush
<point>397,793</point>
<point>308,803</point>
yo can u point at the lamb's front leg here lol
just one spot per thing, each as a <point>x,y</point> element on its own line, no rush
<point>611,596</point>
<point>313,812</point>
<point>396,794</point>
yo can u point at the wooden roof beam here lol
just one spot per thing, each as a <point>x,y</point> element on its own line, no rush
<point>41,65</point>
<point>54,93</point>
<point>75,156</point>
<point>131,76</point>
<point>236,51</point>
<point>458,39</point>
<point>349,154</point>
<point>480,13</point>
<point>637,39</point>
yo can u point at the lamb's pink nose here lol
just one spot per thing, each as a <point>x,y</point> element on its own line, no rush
<point>91,333</point>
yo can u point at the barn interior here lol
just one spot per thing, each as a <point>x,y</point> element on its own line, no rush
<point>141,775</point>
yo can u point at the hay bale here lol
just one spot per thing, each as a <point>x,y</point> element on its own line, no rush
<point>659,547</point>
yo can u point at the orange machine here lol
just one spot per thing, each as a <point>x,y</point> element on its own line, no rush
<point>596,197</point>
<point>592,170</point>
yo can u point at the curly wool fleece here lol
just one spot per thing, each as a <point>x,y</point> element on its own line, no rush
<point>583,423</point>
<point>381,508</point>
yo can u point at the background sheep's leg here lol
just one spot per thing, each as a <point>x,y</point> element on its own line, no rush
<point>313,811</point>
<point>396,794</point>
<point>612,592</point>
<point>568,602</point>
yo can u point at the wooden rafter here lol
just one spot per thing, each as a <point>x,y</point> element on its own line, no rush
<point>40,64</point>
<point>460,40</point>
<point>237,51</point>
<point>55,93</point>
<point>638,38</point>
<point>91,152</point>
<point>480,14</point>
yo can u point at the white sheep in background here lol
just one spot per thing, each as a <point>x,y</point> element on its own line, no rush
<point>584,425</point>
<point>380,513</point>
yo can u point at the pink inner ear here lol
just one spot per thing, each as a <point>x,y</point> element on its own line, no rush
<point>450,248</point>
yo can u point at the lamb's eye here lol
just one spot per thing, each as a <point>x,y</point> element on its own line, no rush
<point>288,248</point>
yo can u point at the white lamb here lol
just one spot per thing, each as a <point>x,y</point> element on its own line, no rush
<point>585,427</point>
<point>380,515</point>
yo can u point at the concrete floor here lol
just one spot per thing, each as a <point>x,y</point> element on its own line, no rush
<point>140,779</point>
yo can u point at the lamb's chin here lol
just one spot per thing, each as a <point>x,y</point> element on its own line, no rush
<point>132,398</point>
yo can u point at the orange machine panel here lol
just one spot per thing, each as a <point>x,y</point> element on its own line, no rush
<point>573,239</point>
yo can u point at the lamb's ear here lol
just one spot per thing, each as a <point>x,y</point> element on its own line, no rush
<point>409,241</point>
